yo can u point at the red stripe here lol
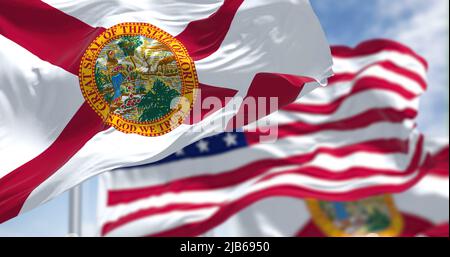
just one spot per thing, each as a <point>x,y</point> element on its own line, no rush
<point>387,65</point>
<point>362,85</point>
<point>412,226</point>
<point>404,72</point>
<point>204,37</point>
<point>17,185</point>
<point>258,168</point>
<point>361,120</point>
<point>262,90</point>
<point>46,32</point>
<point>373,47</point>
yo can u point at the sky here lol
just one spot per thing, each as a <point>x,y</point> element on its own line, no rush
<point>420,24</point>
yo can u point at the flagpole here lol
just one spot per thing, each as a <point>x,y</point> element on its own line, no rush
<point>75,211</point>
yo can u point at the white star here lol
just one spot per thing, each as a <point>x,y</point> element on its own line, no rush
<point>230,139</point>
<point>202,146</point>
<point>179,153</point>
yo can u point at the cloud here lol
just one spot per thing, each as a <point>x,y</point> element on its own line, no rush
<point>422,25</point>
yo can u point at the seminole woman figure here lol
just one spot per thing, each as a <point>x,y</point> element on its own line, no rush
<point>117,73</point>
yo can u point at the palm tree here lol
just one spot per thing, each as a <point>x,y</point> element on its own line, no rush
<point>128,45</point>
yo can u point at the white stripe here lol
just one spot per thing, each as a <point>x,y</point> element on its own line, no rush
<point>134,177</point>
<point>355,64</point>
<point>331,93</point>
<point>394,77</point>
<point>170,15</point>
<point>37,100</point>
<point>271,217</point>
<point>154,223</point>
<point>352,106</point>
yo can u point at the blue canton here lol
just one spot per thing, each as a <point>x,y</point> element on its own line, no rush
<point>209,146</point>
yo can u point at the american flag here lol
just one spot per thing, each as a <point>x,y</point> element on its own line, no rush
<point>353,139</point>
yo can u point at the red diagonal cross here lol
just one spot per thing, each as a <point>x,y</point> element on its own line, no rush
<point>61,40</point>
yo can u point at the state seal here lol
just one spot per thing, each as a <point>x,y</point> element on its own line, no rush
<point>138,79</point>
<point>373,216</point>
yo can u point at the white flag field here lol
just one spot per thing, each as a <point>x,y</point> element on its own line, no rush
<point>52,137</point>
<point>353,139</point>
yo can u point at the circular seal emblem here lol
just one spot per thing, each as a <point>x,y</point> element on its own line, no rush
<point>373,216</point>
<point>139,79</point>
